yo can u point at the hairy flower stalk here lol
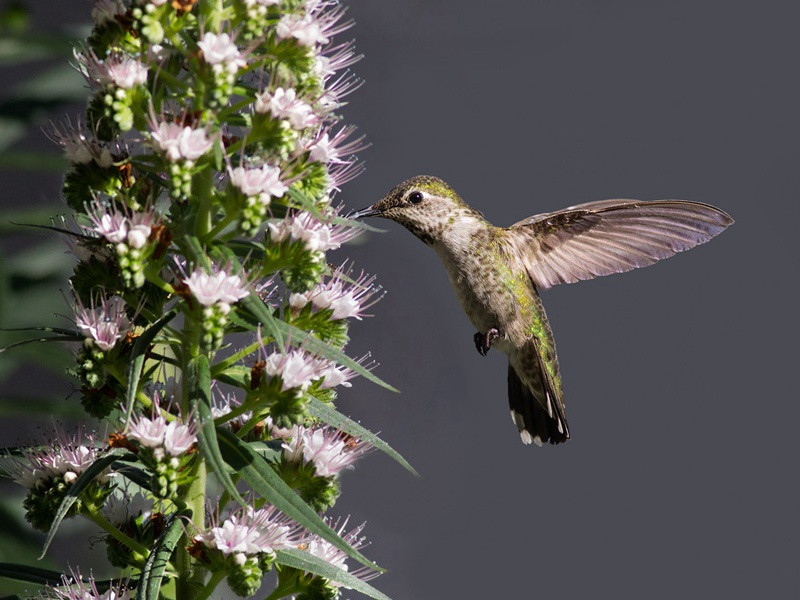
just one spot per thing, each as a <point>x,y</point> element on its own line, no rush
<point>201,180</point>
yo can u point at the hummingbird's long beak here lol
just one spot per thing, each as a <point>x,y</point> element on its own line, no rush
<point>364,212</point>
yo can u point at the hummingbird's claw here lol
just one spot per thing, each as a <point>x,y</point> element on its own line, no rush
<point>483,341</point>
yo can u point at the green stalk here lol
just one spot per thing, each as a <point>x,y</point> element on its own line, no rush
<point>216,578</point>
<point>109,528</point>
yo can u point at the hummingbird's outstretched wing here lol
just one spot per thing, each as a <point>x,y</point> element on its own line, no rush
<point>611,236</point>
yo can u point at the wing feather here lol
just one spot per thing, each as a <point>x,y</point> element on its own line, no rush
<point>612,236</point>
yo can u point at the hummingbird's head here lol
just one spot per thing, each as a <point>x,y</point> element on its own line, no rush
<point>424,205</point>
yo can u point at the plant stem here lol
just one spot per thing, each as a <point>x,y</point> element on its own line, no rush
<point>208,589</point>
<point>109,528</point>
<point>189,579</point>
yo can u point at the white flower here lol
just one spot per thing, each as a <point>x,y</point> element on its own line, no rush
<point>66,456</point>
<point>331,450</point>
<point>326,551</point>
<point>178,438</point>
<point>317,236</point>
<point>148,432</point>
<point>295,368</point>
<point>140,227</point>
<point>254,182</point>
<point>220,50</point>
<point>194,143</point>
<point>249,532</point>
<point>125,72</point>
<point>345,297</point>
<point>178,142</point>
<point>233,538</point>
<point>305,29</point>
<point>283,103</point>
<point>219,286</point>
<point>106,324</point>
<point>76,587</point>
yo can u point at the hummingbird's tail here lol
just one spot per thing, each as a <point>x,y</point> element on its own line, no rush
<point>535,423</point>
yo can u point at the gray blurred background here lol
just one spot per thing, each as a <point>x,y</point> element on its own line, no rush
<point>681,478</point>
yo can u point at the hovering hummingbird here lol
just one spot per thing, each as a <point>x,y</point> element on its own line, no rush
<point>496,273</point>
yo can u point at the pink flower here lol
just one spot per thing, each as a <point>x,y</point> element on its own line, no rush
<point>220,50</point>
<point>284,104</point>
<point>306,30</point>
<point>316,235</point>
<point>296,368</point>
<point>118,227</point>
<point>344,296</point>
<point>254,182</point>
<point>248,532</point>
<point>66,456</point>
<point>178,142</point>
<point>219,287</point>
<point>106,324</point>
<point>332,450</point>
<point>125,72</point>
<point>75,587</point>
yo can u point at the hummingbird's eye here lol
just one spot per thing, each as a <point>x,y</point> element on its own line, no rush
<point>415,197</point>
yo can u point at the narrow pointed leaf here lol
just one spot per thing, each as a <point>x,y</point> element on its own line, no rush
<point>29,574</point>
<point>298,559</point>
<point>149,585</point>
<point>57,338</point>
<point>264,315</point>
<point>327,414</point>
<point>138,356</point>
<point>80,484</point>
<point>266,482</point>
<point>134,474</point>
<point>198,379</point>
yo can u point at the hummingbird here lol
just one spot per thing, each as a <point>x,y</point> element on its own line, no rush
<point>497,273</point>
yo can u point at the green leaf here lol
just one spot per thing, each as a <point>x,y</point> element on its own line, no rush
<point>58,338</point>
<point>326,413</point>
<point>298,559</point>
<point>264,315</point>
<point>266,482</point>
<point>198,378</point>
<point>134,474</point>
<point>80,484</point>
<point>138,355</point>
<point>29,574</point>
<point>149,585</point>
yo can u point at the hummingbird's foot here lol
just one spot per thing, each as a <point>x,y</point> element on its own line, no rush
<point>483,341</point>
